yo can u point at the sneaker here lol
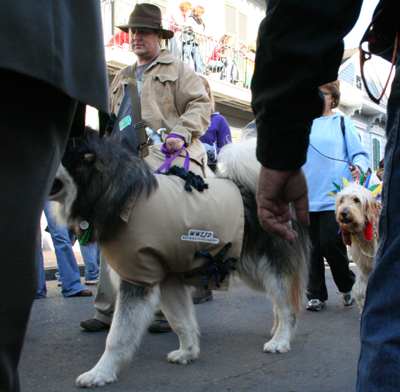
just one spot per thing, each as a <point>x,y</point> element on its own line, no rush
<point>315,305</point>
<point>92,281</point>
<point>348,299</point>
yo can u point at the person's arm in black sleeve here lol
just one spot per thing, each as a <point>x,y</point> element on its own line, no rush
<point>300,47</point>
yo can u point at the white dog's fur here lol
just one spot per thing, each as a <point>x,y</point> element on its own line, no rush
<point>354,207</point>
<point>267,264</point>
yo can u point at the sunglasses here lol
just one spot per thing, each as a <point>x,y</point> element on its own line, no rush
<point>365,56</point>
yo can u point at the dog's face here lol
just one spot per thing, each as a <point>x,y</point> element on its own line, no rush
<point>76,158</point>
<point>354,206</point>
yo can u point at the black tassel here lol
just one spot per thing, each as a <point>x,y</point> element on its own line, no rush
<point>191,179</point>
<point>216,266</point>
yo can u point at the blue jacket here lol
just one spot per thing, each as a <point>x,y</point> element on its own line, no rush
<point>327,137</point>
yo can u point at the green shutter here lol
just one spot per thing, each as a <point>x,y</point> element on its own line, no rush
<point>376,145</point>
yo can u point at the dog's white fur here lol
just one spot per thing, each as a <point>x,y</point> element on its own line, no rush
<point>135,306</point>
<point>355,205</point>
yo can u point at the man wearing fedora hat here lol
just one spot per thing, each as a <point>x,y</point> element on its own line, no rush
<point>172,98</point>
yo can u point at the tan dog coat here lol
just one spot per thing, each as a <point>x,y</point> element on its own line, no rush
<point>161,234</point>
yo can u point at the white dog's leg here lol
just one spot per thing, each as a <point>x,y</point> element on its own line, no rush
<point>134,312</point>
<point>276,321</point>
<point>177,305</point>
<point>285,318</point>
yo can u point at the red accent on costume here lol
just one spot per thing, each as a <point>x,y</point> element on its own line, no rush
<point>346,236</point>
<point>369,231</point>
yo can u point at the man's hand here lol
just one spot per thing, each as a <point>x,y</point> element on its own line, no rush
<point>355,172</point>
<point>174,144</point>
<point>276,190</point>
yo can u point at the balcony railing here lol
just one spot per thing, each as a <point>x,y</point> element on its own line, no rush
<point>205,55</point>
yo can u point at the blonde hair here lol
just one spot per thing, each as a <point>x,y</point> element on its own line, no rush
<point>210,94</point>
<point>185,6</point>
<point>334,89</point>
<point>198,10</point>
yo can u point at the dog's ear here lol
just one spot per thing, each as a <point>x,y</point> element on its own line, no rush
<point>371,208</point>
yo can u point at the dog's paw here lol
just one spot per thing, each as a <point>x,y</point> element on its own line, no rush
<point>94,378</point>
<point>274,346</point>
<point>183,356</point>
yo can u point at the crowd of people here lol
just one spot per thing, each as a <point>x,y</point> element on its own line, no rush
<point>193,44</point>
<point>283,80</point>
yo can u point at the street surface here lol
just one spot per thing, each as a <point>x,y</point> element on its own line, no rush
<point>234,327</point>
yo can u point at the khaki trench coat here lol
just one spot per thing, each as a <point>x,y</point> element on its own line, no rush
<point>172,97</point>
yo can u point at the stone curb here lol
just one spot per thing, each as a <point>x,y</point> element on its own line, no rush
<point>50,273</point>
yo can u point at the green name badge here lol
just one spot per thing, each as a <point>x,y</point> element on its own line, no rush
<point>125,122</point>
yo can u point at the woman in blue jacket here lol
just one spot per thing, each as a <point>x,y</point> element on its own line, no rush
<point>334,136</point>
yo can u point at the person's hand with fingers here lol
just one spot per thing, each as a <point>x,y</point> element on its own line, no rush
<point>276,190</point>
<point>355,171</point>
<point>174,144</point>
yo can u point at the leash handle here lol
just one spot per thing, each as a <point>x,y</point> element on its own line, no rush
<point>169,158</point>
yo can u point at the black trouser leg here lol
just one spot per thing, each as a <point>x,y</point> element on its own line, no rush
<point>34,126</point>
<point>316,284</point>
<point>335,252</point>
<point>328,243</point>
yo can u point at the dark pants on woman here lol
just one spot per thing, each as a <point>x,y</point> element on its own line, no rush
<point>328,243</point>
<point>35,122</point>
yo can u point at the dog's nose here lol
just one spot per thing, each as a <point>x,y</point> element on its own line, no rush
<point>344,214</point>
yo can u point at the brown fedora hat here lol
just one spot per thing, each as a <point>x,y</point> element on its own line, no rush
<point>148,16</point>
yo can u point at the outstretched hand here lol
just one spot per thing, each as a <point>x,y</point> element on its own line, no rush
<point>276,190</point>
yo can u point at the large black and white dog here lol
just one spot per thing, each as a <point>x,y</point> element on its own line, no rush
<point>97,177</point>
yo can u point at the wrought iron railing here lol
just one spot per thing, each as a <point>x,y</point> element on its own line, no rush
<point>214,59</point>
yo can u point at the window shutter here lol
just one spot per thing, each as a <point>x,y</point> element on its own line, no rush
<point>243,29</point>
<point>230,20</point>
<point>162,5</point>
<point>376,153</point>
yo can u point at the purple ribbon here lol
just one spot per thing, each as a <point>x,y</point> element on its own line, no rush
<point>169,158</point>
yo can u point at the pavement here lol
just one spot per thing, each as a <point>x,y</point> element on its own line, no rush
<point>234,327</point>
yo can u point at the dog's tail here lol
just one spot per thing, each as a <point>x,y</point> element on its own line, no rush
<point>238,163</point>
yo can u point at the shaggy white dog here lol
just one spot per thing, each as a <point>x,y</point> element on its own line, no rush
<point>357,212</point>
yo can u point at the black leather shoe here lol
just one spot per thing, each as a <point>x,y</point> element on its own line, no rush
<point>160,326</point>
<point>83,293</point>
<point>200,296</point>
<point>94,325</point>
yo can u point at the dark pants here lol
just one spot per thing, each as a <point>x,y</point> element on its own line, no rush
<point>327,243</point>
<point>379,365</point>
<point>34,127</point>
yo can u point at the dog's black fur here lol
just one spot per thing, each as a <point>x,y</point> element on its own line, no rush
<point>107,176</point>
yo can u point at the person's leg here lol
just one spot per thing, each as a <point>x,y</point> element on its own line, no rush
<point>379,363</point>
<point>104,301</point>
<point>42,290</point>
<point>34,127</point>
<point>335,252</point>
<point>316,284</point>
<point>187,50</point>
<point>198,62</point>
<point>89,255</point>
<point>68,268</point>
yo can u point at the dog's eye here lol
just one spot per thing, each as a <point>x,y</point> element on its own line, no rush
<point>342,200</point>
<point>357,200</point>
